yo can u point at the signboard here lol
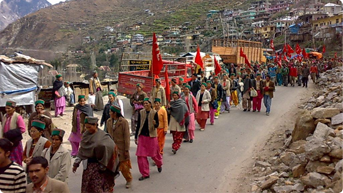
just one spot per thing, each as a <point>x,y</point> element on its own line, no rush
<point>139,65</point>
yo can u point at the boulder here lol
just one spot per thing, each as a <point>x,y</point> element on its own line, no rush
<point>322,131</point>
<point>322,113</point>
<point>304,126</point>
<point>298,170</point>
<point>298,147</point>
<point>289,188</point>
<point>290,159</point>
<point>324,121</point>
<point>339,166</point>
<point>315,148</point>
<point>313,179</point>
<point>320,100</point>
<point>325,169</point>
<point>325,158</point>
<point>313,165</point>
<point>337,119</point>
<point>336,153</point>
<point>269,182</point>
<point>262,164</point>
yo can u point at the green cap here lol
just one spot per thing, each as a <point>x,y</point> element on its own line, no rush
<point>38,124</point>
<point>187,86</point>
<point>116,108</point>
<point>112,93</point>
<point>157,100</point>
<point>81,97</point>
<point>58,75</point>
<point>176,92</point>
<point>91,120</point>
<point>146,99</point>
<point>258,74</point>
<point>11,104</point>
<point>216,77</point>
<point>181,79</point>
<point>58,132</point>
<point>204,84</point>
<point>140,85</point>
<point>39,102</point>
<point>209,81</point>
<point>233,74</point>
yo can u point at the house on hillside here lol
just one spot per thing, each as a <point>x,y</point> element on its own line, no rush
<point>332,9</point>
<point>265,32</point>
<point>138,38</point>
<point>328,28</point>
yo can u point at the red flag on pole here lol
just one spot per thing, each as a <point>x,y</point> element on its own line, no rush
<point>241,53</point>
<point>297,49</point>
<point>289,49</point>
<point>157,63</point>
<point>272,45</point>
<point>198,59</point>
<point>166,78</point>
<point>285,58</point>
<point>284,49</point>
<point>324,49</point>
<point>246,60</point>
<point>217,67</point>
<point>304,53</point>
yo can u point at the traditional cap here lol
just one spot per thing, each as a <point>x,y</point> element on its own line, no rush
<point>216,77</point>
<point>94,72</point>
<point>39,102</point>
<point>38,124</point>
<point>243,69</point>
<point>204,84</point>
<point>58,132</point>
<point>233,74</point>
<point>181,79</point>
<point>11,104</point>
<point>146,99</point>
<point>81,97</point>
<point>173,80</point>
<point>176,92</point>
<point>157,100</point>
<point>258,74</point>
<point>116,108</point>
<point>112,93</point>
<point>184,84</point>
<point>209,81</point>
<point>91,120</point>
<point>58,75</point>
<point>140,85</point>
<point>158,80</point>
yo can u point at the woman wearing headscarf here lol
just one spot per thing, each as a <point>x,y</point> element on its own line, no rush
<point>13,126</point>
<point>192,106</point>
<point>146,140</point>
<point>43,116</point>
<point>178,120</point>
<point>203,99</point>
<point>162,128</point>
<point>136,102</point>
<point>213,93</point>
<point>35,146</point>
<point>58,157</point>
<point>81,111</point>
<point>99,154</point>
<point>118,128</point>
<point>58,93</point>
<point>112,100</point>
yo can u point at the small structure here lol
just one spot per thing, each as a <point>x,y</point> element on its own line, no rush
<point>19,79</point>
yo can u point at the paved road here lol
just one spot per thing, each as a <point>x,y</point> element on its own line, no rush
<point>205,165</point>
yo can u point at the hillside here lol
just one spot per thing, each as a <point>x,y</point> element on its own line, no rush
<point>11,10</point>
<point>61,26</point>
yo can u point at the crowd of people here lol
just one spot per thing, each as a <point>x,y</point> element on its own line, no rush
<point>105,154</point>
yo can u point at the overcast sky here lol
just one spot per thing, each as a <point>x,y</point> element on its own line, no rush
<point>52,1</point>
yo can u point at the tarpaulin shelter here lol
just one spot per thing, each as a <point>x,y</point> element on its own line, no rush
<point>19,79</point>
<point>317,55</point>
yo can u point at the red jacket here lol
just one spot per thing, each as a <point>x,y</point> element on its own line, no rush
<point>293,71</point>
<point>314,69</point>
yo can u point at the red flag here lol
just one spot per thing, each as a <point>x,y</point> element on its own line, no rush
<point>285,58</point>
<point>198,59</point>
<point>157,63</point>
<point>217,67</point>
<point>166,78</point>
<point>289,49</point>
<point>246,60</point>
<point>272,45</point>
<point>299,58</point>
<point>276,58</point>
<point>241,53</point>
<point>297,49</point>
<point>324,49</point>
<point>304,53</point>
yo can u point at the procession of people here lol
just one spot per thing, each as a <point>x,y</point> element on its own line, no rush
<point>105,153</point>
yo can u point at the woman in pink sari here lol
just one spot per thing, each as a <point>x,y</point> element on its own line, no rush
<point>192,105</point>
<point>58,92</point>
<point>13,126</point>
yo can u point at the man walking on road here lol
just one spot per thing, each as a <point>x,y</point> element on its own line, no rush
<point>246,93</point>
<point>314,72</point>
<point>268,94</point>
<point>195,85</point>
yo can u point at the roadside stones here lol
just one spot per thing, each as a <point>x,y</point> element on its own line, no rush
<point>337,119</point>
<point>316,148</point>
<point>262,164</point>
<point>313,179</point>
<point>269,182</point>
<point>325,169</point>
<point>322,113</point>
<point>322,131</point>
<point>336,153</point>
<point>304,126</point>
<point>298,170</point>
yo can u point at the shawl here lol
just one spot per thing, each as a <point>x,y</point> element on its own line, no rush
<point>56,86</point>
<point>86,109</point>
<point>179,110</point>
<point>100,146</point>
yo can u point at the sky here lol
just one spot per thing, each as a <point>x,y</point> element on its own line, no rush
<point>51,1</point>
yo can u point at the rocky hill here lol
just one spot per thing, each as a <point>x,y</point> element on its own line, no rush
<point>64,25</point>
<point>11,10</point>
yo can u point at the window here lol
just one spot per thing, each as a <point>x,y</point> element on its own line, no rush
<point>337,20</point>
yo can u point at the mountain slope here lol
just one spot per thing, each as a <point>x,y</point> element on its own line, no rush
<point>63,25</point>
<point>11,10</point>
